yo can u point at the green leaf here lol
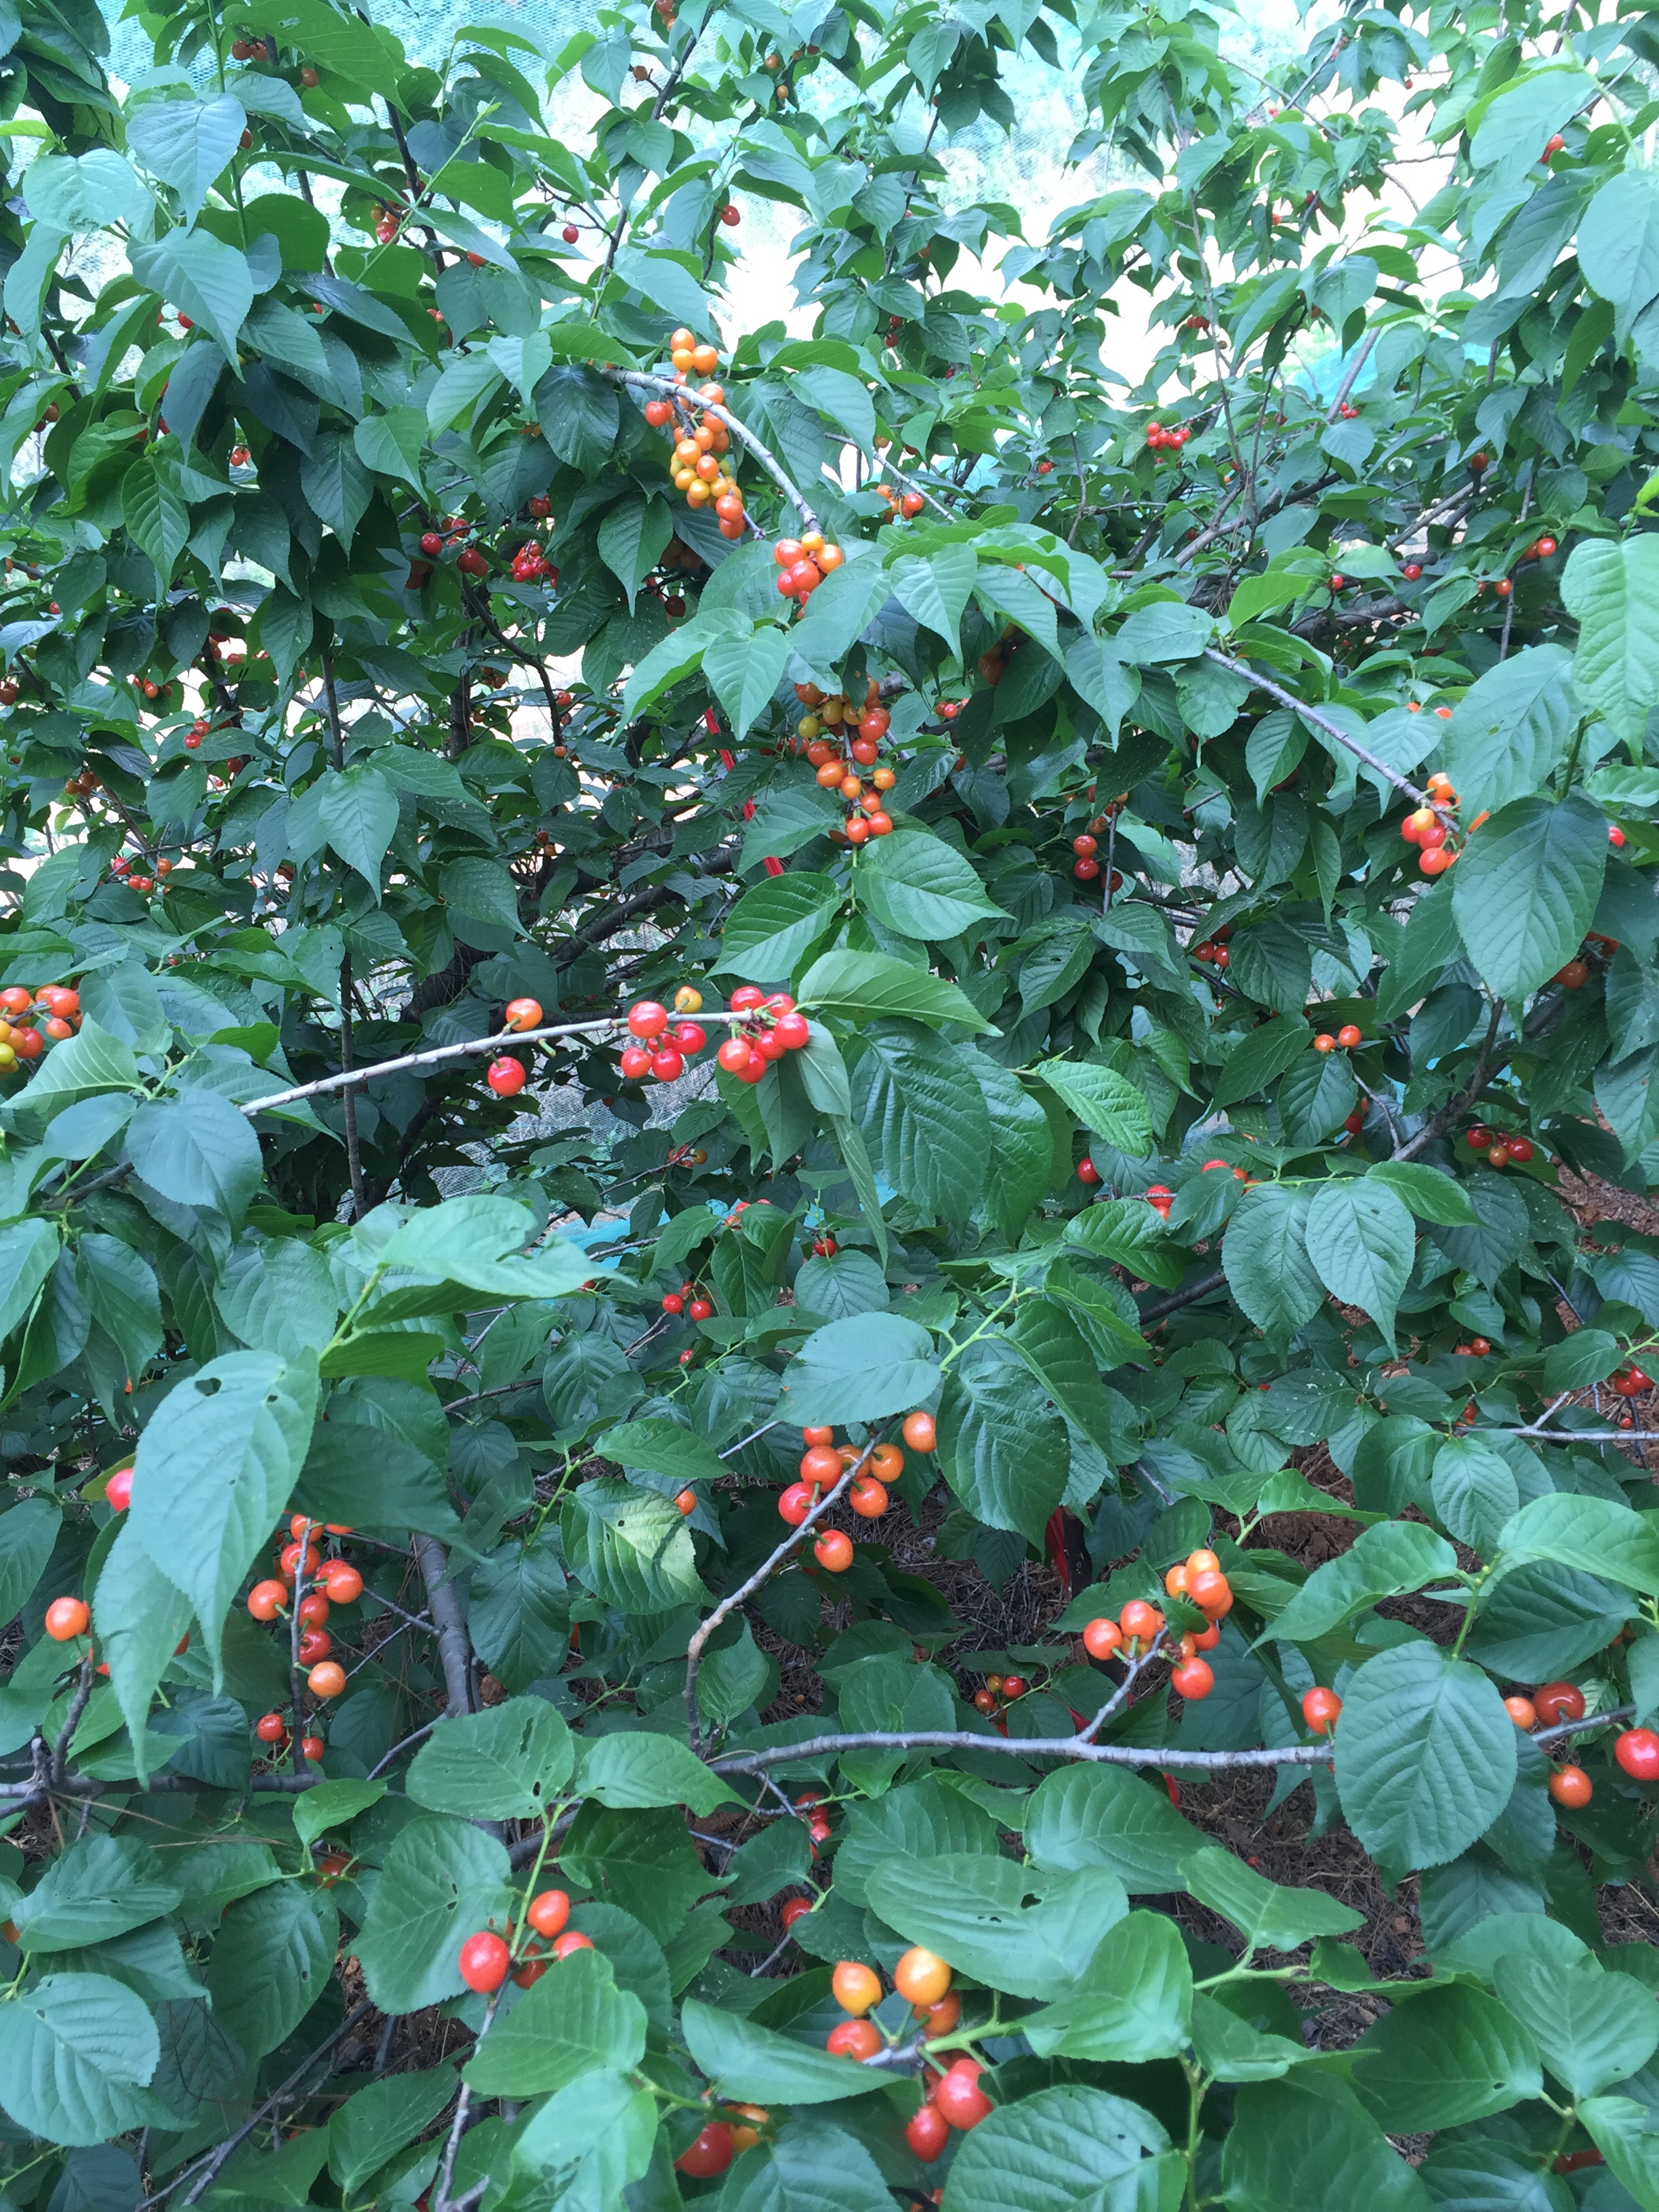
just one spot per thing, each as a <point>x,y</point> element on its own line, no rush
<point>1580,2017</point>
<point>1587,1356</point>
<point>1002,1447</point>
<point>915,884</point>
<point>843,399</point>
<point>589,2140</point>
<point>1510,730</point>
<point>937,590</point>
<point>197,1149</point>
<point>971,1909</point>
<point>139,1618</point>
<point>574,2020</point>
<point>1128,1231</point>
<point>1102,1101</point>
<point>844,1283</point>
<point>210,280</point>
<point>1624,2129</point>
<point>441,1881</point>
<point>509,1763</point>
<point>1593,1534</point>
<point>873,983</point>
<point>1609,585</point>
<point>1268,1917</point>
<point>99,1888</point>
<point>773,927</point>
<point>392,444</point>
<point>1101,680</point>
<point>28,1253</point>
<point>660,1446</point>
<point>1430,1194</point>
<point>1134,2005</point>
<point>336,483</point>
<point>836,615</point>
<point>860,1369</point>
<point>378,2118</point>
<point>87,193</point>
<point>812,2167</point>
<point>748,2062</point>
<point>1526,887</point>
<point>219,1457</point>
<point>1106,1816</point>
<point>1304,2144</point>
<point>357,812</point>
<point>1619,245</point>
<point>1387,1561</point>
<point>271,1961</point>
<point>920,1106</point>
<point>1360,1239</point>
<point>1261,1057</point>
<point>1422,1763</point>
<point>632,539</point>
<point>1443,2059</point>
<point>629,1546</point>
<point>187,143</point>
<point>75,2052</point>
<point>622,1770</point>
<point>1069,2148</point>
<point>1474,1493</point>
<point>1315,1095</point>
<point>157,520</point>
<point>333,1805</point>
<point>745,672</point>
<point>1264,1254</point>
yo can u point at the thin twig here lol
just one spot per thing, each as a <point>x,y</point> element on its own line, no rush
<point>665,386</point>
<point>1402,784</point>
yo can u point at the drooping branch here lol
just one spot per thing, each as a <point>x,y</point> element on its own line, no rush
<point>666,387</point>
<point>1323,723</point>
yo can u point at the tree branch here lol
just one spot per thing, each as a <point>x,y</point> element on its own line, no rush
<point>644,380</point>
<point>453,1648</point>
<point>1402,784</point>
<point>763,1573</point>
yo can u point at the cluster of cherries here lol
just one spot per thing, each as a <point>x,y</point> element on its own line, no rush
<point>1637,1749</point>
<point>486,1959</point>
<point>852,745</point>
<point>1346,1037</point>
<point>1501,1151</point>
<point>803,562</point>
<point>1577,972</point>
<point>907,504</point>
<point>310,1582</point>
<point>471,560</point>
<point>1162,435</point>
<point>1085,868</point>
<point>695,1303</point>
<point>1630,1382</point>
<point>824,1462</point>
<point>772,1029</point>
<point>1001,1692</point>
<point>696,462</point>
<point>1197,1578</point>
<point>31,1019</point>
<point>506,1075</point>
<point>954,2098</point>
<point>1424,827</point>
<point>1212,949</point>
<point>531,564</point>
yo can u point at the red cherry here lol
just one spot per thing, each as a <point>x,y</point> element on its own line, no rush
<point>667,1066</point>
<point>834,1551</point>
<point>342,1582</point>
<point>1320,1709</point>
<point>700,1308</point>
<point>117,1491</point>
<point>709,2153</point>
<point>793,1030</point>
<point>484,1961</point>
<point>506,1077</point>
<point>549,1912</point>
<point>647,1018</point>
<point>1087,1172</point>
<point>959,2099</point>
<point>270,1728</point>
<point>795,1504</point>
<point>673,1303</point>
<point>927,2131</point>
<point>1558,1701</point>
<point>66,1619</point>
<point>1637,1751</point>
